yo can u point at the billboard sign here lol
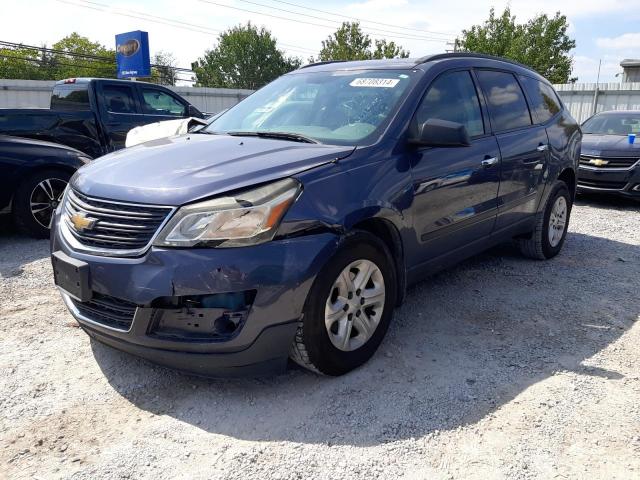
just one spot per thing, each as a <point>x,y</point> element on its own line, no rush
<point>132,54</point>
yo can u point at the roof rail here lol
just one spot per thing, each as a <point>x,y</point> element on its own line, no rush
<point>315,64</point>
<point>442,56</point>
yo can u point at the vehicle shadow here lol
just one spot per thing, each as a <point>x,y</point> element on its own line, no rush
<point>466,341</point>
<point>17,249</point>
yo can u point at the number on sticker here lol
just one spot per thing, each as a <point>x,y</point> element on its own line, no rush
<point>375,82</point>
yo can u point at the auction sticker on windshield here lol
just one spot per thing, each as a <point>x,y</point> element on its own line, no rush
<point>375,82</point>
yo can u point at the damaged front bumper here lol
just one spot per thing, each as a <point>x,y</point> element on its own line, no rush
<point>211,312</point>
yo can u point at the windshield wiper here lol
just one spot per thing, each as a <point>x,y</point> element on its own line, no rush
<point>294,137</point>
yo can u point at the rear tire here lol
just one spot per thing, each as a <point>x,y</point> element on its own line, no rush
<point>36,199</point>
<point>330,341</point>
<point>552,224</point>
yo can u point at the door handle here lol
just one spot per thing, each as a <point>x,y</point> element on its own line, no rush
<point>487,162</point>
<point>542,147</point>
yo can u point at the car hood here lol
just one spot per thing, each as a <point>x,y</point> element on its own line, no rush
<point>609,146</point>
<point>179,170</point>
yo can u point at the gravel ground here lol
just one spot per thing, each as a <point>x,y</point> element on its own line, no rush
<point>499,368</point>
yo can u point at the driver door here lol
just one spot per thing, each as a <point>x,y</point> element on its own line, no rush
<point>455,188</point>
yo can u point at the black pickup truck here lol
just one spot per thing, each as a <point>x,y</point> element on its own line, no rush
<point>93,115</point>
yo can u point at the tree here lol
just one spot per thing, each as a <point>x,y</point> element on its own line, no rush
<point>83,57</point>
<point>163,70</point>
<point>26,63</point>
<point>244,57</point>
<point>349,42</point>
<point>542,43</point>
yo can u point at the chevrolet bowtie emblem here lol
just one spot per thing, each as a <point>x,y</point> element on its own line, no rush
<point>81,222</point>
<point>598,162</point>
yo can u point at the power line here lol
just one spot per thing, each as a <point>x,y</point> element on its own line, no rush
<point>405,37</point>
<point>83,56</point>
<point>362,19</point>
<point>373,30</point>
<point>162,20</point>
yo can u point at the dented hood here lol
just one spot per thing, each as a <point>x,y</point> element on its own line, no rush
<point>179,170</point>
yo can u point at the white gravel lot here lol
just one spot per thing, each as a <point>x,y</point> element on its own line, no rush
<point>499,368</point>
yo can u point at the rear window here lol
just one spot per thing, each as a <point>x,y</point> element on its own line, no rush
<point>544,102</point>
<point>507,105</point>
<point>70,97</point>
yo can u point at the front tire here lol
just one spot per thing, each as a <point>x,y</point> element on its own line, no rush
<point>552,224</point>
<point>36,200</point>
<point>349,308</point>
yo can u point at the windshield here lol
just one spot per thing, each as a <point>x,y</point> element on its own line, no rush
<point>340,107</point>
<point>613,124</point>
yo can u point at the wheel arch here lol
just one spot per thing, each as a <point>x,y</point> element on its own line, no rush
<point>568,176</point>
<point>388,233</point>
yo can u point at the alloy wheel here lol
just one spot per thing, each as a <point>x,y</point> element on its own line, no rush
<point>557,221</point>
<point>355,305</point>
<point>45,198</point>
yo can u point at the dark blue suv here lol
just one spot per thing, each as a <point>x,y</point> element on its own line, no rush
<point>293,224</point>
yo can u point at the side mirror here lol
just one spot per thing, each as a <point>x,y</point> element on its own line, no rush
<point>194,112</point>
<point>441,133</point>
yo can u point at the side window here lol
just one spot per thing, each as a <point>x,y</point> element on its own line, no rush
<point>544,102</point>
<point>119,98</point>
<point>452,97</point>
<point>157,102</point>
<point>505,100</point>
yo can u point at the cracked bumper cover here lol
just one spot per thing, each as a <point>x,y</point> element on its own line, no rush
<point>281,272</point>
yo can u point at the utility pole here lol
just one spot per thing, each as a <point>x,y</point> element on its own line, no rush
<point>596,90</point>
<point>453,44</point>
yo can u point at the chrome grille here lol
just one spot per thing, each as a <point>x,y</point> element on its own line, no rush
<point>114,227</point>
<point>612,162</point>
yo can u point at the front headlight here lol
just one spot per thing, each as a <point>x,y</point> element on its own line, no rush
<point>246,218</point>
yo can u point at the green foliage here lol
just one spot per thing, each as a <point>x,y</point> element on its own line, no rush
<point>73,66</point>
<point>25,63</point>
<point>163,72</point>
<point>244,57</point>
<point>542,43</point>
<point>349,42</point>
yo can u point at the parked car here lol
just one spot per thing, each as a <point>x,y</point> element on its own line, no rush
<point>609,163</point>
<point>294,222</point>
<point>33,176</point>
<point>93,115</point>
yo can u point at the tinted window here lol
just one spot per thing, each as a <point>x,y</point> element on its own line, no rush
<point>544,102</point>
<point>70,97</point>
<point>507,106</point>
<point>612,124</point>
<point>119,98</point>
<point>157,102</point>
<point>452,97</point>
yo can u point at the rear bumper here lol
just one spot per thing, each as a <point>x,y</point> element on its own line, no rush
<point>611,181</point>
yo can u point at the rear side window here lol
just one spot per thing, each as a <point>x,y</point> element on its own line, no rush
<point>70,97</point>
<point>157,102</point>
<point>452,97</point>
<point>119,98</point>
<point>544,102</point>
<point>507,105</point>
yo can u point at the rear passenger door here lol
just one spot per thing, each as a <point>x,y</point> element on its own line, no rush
<point>523,147</point>
<point>455,188</point>
<point>119,111</point>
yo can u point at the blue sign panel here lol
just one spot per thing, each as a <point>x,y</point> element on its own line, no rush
<point>132,54</point>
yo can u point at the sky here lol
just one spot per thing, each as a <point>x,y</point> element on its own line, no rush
<point>607,30</point>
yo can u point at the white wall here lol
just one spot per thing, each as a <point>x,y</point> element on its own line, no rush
<point>579,97</point>
<point>37,93</point>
